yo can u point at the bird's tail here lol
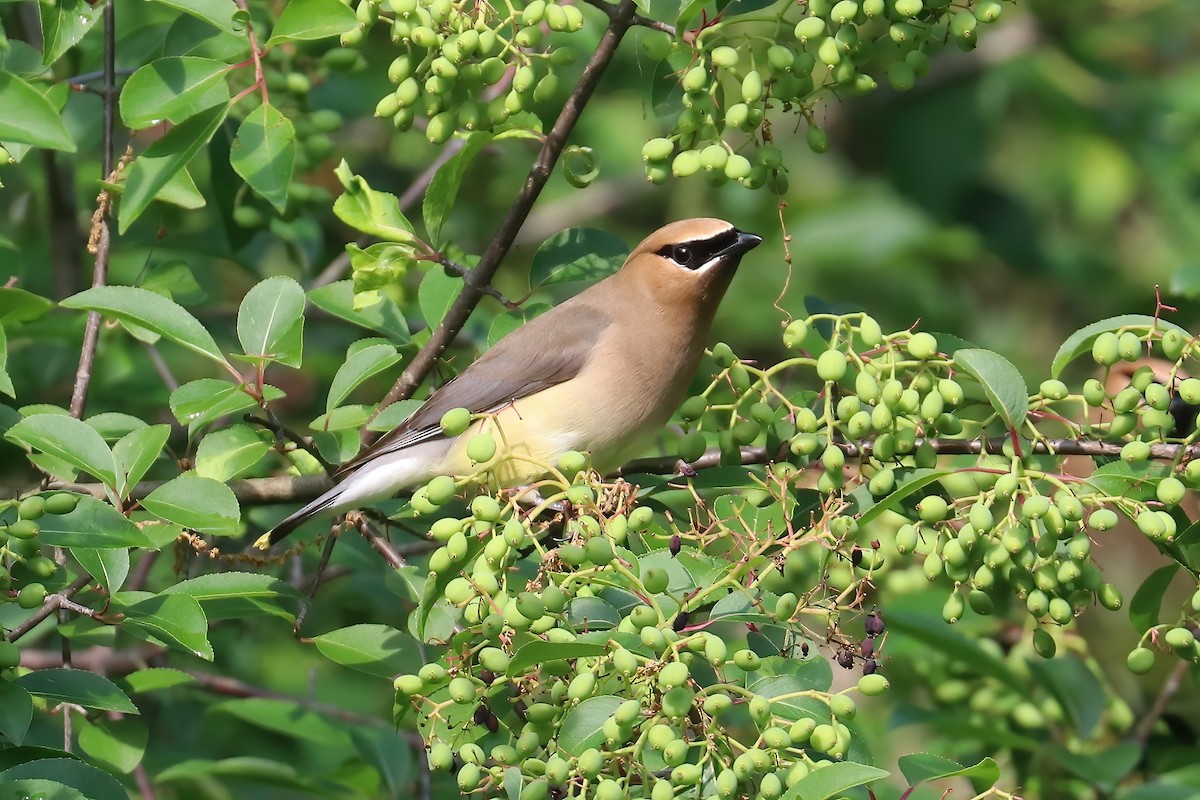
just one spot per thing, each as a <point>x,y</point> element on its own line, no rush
<point>298,518</point>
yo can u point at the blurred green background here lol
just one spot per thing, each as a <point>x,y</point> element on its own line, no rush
<point>1049,179</point>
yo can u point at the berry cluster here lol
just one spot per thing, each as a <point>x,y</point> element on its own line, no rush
<point>730,84</point>
<point>586,660</point>
<point>23,568</point>
<point>456,58</point>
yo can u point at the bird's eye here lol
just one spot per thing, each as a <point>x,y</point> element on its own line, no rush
<point>681,255</point>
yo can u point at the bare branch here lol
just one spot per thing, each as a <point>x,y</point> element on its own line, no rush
<point>380,544</point>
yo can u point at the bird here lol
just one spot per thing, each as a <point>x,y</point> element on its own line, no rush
<point>599,374</point>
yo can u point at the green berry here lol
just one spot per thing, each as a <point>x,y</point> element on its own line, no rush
<point>31,595</point>
<point>933,508</point>
<point>1178,639</point>
<point>1140,660</point>
<point>32,507</point>
<point>61,503</point>
<point>842,706</point>
<point>1106,349</point>
<point>873,685</point>
<point>1170,491</point>
<point>831,365</point>
<point>922,345</point>
<point>818,140</point>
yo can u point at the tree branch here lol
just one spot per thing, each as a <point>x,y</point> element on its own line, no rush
<point>52,603</point>
<point>290,489</point>
<point>474,285</point>
<point>232,687</point>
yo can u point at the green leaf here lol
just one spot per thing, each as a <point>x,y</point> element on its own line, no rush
<point>443,189</point>
<point>180,191</point>
<point>92,525</point>
<point>738,606</point>
<point>232,595</point>
<point>834,780</point>
<point>1147,600</point>
<point>383,317</point>
<point>41,789</point>
<point>363,208</point>
<point>436,294</point>
<point>933,632</point>
<point>264,152</point>
<point>361,366</point>
<point>304,20</point>
<point>151,171</point>
<point>149,310</point>
<point>6,384</point>
<point>789,679</point>
<point>1104,769</point>
<point>910,482</point>
<point>1130,481</point>
<point>18,305</point>
<point>112,425</point>
<point>1081,341</point>
<point>373,649</point>
<point>83,688</point>
<point>389,754</point>
<point>16,712</point>
<point>1075,688</point>
<point>582,727</point>
<point>924,767</point>
<point>117,744</point>
<point>109,566</point>
<point>75,442</point>
<point>268,312</point>
<point>577,255</point>
<point>29,118</point>
<point>154,679</point>
<point>136,452</point>
<point>93,783</point>
<point>218,13</point>
<point>64,24</point>
<point>202,401</point>
<point>229,453</point>
<point>285,717</point>
<point>242,768</point>
<point>539,652</point>
<point>175,619</point>
<point>1001,382</point>
<point>174,89</point>
<point>199,504</point>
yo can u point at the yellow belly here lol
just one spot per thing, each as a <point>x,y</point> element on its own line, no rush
<point>530,437</point>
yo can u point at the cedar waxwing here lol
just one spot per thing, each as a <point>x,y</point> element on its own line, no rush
<point>599,373</point>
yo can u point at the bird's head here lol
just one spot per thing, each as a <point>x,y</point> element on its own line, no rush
<point>690,259</point>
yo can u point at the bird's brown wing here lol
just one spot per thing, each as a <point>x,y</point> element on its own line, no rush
<point>546,351</point>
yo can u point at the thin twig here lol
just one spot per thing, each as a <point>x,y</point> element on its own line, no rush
<point>289,489</point>
<point>316,583</point>
<point>161,367</point>
<point>474,285</point>
<point>1169,688</point>
<point>380,544</point>
<point>232,687</point>
<point>611,9</point>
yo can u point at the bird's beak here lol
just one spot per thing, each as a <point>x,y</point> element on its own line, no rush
<point>744,243</point>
